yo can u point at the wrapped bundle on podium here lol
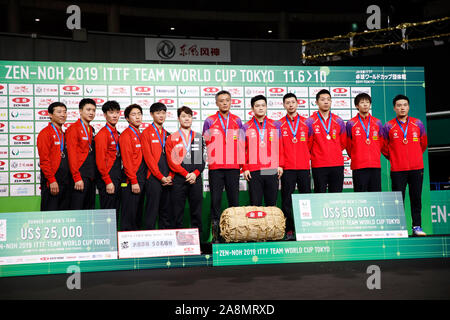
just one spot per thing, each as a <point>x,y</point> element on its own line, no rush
<point>242,224</point>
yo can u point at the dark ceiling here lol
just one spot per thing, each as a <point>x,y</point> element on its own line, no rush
<point>216,19</point>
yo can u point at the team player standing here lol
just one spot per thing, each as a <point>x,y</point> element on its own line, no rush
<point>165,169</point>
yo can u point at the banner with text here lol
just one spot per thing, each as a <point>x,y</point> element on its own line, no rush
<point>27,88</point>
<point>158,243</point>
<point>57,236</point>
<point>160,49</point>
<point>359,215</point>
<point>440,211</point>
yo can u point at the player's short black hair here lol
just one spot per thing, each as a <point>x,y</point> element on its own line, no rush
<point>53,105</point>
<point>86,101</point>
<point>111,105</point>
<point>256,98</point>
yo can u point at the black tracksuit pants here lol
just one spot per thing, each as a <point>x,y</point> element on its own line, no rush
<point>414,179</point>
<point>289,180</point>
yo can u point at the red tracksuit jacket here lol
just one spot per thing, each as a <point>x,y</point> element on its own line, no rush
<point>152,150</point>
<point>364,155</point>
<point>296,155</point>
<point>224,152</point>
<point>105,151</point>
<point>269,156</point>
<point>49,149</point>
<point>131,152</point>
<point>78,147</point>
<point>176,152</point>
<point>404,157</point>
<point>324,152</point>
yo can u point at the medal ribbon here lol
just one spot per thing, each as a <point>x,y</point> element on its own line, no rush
<point>61,142</point>
<point>323,123</point>
<point>222,123</point>
<point>405,132</point>
<point>114,138</point>
<point>161,142</point>
<point>294,132</point>
<point>187,146</point>
<point>367,131</point>
<point>85,131</point>
<point>132,129</point>
<point>261,136</point>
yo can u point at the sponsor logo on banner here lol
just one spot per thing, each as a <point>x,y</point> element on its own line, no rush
<point>340,103</point>
<point>347,172</point>
<point>99,101</point>
<point>21,165</point>
<point>71,103</point>
<point>142,91</point>
<point>44,102</point>
<point>3,102</point>
<point>4,139</point>
<point>208,103</point>
<point>188,91</point>
<point>209,91</point>
<point>23,152</point>
<point>119,91</point>
<point>21,114</point>
<point>302,103</point>
<point>299,91</point>
<point>166,91</point>
<point>21,139</point>
<point>276,114</point>
<point>207,113</point>
<point>237,103</point>
<point>254,91</point>
<point>171,115</point>
<point>22,177</point>
<point>20,102</point>
<point>42,114</point>
<point>235,91</point>
<point>4,165</point>
<point>4,152</point>
<point>274,103</point>
<point>70,90</point>
<point>314,90</point>
<point>276,92</point>
<point>20,89</point>
<point>46,89</point>
<point>3,114</point>
<point>4,191</point>
<point>143,102</point>
<point>187,50</point>
<point>343,92</point>
<point>344,114</point>
<point>170,103</point>
<point>357,90</point>
<point>3,127</point>
<point>21,127</point>
<point>348,183</point>
<point>3,89</point>
<point>95,90</point>
<point>22,190</point>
